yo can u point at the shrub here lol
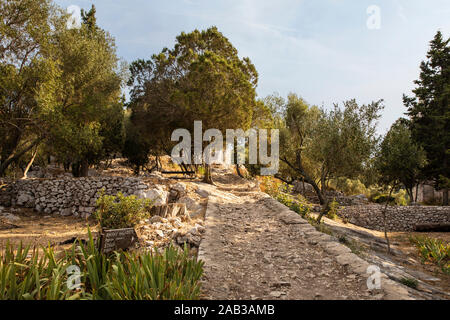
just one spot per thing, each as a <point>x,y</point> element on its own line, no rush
<point>117,212</point>
<point>144,276</point>
<point>399,198</point>
<point>410,282</point>
<point>333,209</point>
<point>434,251</point>
<point>348,186</point>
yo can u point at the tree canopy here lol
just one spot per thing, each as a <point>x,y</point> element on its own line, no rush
<point>429,112</point>
<point>201,78</point>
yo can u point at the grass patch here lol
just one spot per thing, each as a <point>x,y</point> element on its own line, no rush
<point>410,282</point>
<point>433,250</point>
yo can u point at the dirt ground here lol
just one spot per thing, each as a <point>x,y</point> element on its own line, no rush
<point>406,255</point>
<point>37,230</point>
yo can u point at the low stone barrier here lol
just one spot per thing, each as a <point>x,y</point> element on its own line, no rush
<point>74,197</point>
<point>398,218</point>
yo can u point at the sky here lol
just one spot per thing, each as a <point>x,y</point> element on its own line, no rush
<point>326,51</point>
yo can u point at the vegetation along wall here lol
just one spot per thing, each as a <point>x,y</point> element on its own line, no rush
<point>398,218</point>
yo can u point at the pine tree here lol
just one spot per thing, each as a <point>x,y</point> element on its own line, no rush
<point>429,112</point>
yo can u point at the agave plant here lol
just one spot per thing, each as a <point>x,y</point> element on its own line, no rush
<point>33,275</point>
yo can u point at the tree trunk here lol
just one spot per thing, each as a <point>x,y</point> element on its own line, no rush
<point>238,170</point>
<point>445,197</point>
<point>208,176</point>
<point>417,192</point>
<point>84,168</point>
<point>385,222</point>
<point>80,169</point>
<point>76,169</point>
<point>14,157</point>
<point>25,172</point>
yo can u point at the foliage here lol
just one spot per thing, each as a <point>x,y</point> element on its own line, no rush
<point>59,86</point>
<point>400,159</point>
<point>87,122</point>
<point>410,282</point>
<point>25,73</point>
<point>201,78</point>
<point>317,145</point>
<point>31,275</point>
<point>429,111</point>
<point>282,193</point>
<point>399,198</point>
<point>344,140</point>
<point>136,149</point>
<point>433,250</point>
<point>117,212</point>
<point>349,186</point>
<point>353,245</point>
<point>333,209</point>
<point>169,276</point>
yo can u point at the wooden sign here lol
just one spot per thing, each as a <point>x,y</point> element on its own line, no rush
<point>117,239</point>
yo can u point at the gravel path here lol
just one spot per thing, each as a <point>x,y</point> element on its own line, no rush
<point>250,253</point>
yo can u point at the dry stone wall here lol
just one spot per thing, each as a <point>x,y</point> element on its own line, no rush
<point>398,218</point>
<point>75,197</point>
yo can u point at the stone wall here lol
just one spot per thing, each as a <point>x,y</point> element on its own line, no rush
<point>307,190</point>
<point>398,218</point>
<point>75,197</point>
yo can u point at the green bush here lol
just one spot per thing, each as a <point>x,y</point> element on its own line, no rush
<point>117,212</point>
<point>143,276</point>
<point>348,186</point>
<point>295,204</point>
<point>399,198</point>
<point>410,282</point>
<point>333,209</point>
<point>433,250</point>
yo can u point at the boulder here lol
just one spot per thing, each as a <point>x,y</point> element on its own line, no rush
<point>158,195</point>
<point>202,192</point>
<point>25,200</point>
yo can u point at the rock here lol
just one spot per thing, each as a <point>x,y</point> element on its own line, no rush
<point>158,195</point>
<point>25,200</point>
<point>180,188</point>
<point>192,206</point>
<point>200,228</point>
<point>202,192</point>
<point>11,218</point>
<point>194,240</point>
<point>292,218</point>
<point>194,231</point>
<point>66,212</point>
<point>155,219</point>
<point>177,224</point>
<point>182,239</point>
<point>276,294</point>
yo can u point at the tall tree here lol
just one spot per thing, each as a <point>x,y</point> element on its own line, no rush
<point>344,140</point>
<point>429,111</point>
<point>201,78</point>
<point>87,120</point>
<point>25,31</point>
<point>317,145</point>
<point>400,159</point>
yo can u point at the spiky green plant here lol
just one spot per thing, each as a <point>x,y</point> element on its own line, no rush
<point>169,275</point>
<point>433,250</point>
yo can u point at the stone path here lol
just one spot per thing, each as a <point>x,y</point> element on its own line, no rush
<point>256,248</point>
